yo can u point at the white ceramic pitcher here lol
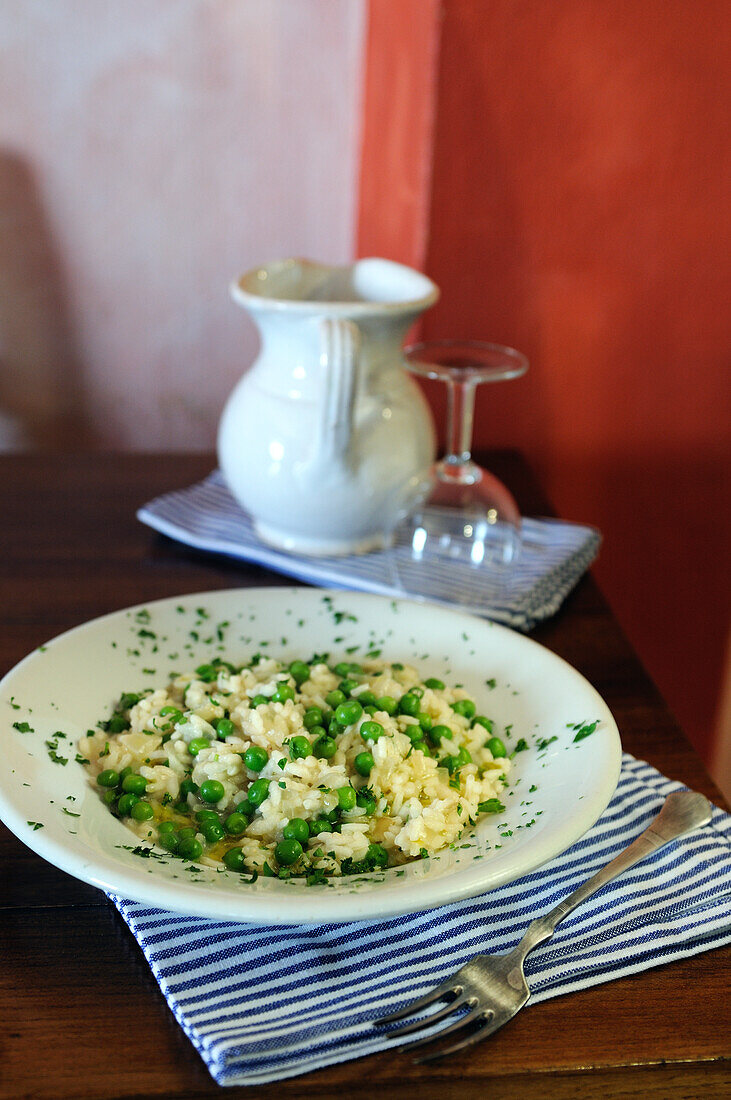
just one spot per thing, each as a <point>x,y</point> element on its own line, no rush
<point>326,441</point>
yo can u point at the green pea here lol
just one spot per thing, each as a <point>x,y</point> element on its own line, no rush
<point>299,671</point>
<point>319,825</point>
<point>236,823</point>
<point>213,831</point>
<point>168,710</point>
<point>288,852</point>
<point>371,731</point>
<point>299,748</point>
<point>258,792</point>
<point>166,827</point>
<point>109,796</point>
<point>387,703</point>
<point>258,700</point>
<point>465,707</point>
<point>198,743</point>
<point>334,728</point>
<point>283,693</point>
<point>211,791</point>
<point>181,807</point>
<point>481,720</point>
<point>235,860</point>
<point>346,797</point>
<point>454,763</point>
<point>424,720</point>
<point>108,778</point>
<point>348,713</point>
<point>313,717</point>
<point>188,832</point>
<point>409,704</point>
<point>169,841</point>
<point>434,684</point>
<point>134,784</point>
<point>190,848</point>
<point>342,669</point>
<point>256,758</point>
<point>202,816</point>
<point>224,728</point>
<point>496,747</point>
<point>334,698</point>
<point>440,733</point>
<point>366,802</point>
<point>364,763</point>
<point>421,746</point>
<point>188,787</point>
<point>296,829</point>
<point>367,699</point>
<point>125,772</point>
<point>346,686</point>
<point>142,811</point>
<point>414,733</point>
<point>125,804</point>
<point>318,731</point>
<point>371,710</point>
<point>463,757</point>
<point>325,748</point>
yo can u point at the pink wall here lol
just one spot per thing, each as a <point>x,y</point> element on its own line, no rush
<point>150,151</point>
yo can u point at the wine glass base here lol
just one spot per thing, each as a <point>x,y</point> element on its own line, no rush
<point>441,536</point>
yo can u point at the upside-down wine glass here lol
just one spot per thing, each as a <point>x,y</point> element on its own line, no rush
<point>461,543</point>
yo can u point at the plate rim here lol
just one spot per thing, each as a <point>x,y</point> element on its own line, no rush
<point>113,878</point>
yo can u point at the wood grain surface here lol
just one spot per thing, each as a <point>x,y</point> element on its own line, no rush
<point>82,1015</point>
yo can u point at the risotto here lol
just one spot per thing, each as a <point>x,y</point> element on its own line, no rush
<point>298,769</point>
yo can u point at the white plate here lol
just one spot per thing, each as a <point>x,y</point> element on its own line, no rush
<point>557,792</point>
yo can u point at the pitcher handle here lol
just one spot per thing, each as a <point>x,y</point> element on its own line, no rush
<point>340,360</point>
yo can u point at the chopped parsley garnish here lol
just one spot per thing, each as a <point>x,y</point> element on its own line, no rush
<point>375,857</point>
<point>490,806</point>
<point>23,727</point>
<point>585,730</point>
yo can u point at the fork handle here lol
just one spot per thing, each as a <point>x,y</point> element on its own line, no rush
<point>682,812</point>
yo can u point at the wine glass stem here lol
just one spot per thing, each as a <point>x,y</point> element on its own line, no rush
<point>458,464</point>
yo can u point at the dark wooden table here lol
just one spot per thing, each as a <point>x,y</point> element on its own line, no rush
<point>81,1013</point>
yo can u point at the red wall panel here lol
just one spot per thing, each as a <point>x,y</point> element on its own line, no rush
<point>579,210</point>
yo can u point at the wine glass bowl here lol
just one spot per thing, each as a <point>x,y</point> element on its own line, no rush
<point>466,519</point>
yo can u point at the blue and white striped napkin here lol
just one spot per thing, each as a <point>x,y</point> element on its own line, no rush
<point>554,556</point>
<point>264,1003</point>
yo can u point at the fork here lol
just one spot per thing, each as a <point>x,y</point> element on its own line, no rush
<point>493,988</point>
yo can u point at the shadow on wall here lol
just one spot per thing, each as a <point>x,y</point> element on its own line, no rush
<point>41,376</point>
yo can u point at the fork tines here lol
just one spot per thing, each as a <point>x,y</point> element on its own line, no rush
<point>458,999</point>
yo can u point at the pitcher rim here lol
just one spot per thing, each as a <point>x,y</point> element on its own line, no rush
<point>251,298</point>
